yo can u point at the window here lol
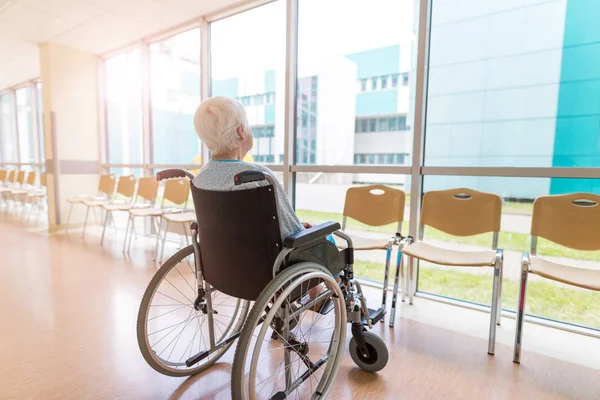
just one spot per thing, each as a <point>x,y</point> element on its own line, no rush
<point>28,142</point>
<point>384,80</point>
<point>405,79</point>
<point>40,124</point>
<point>379,158</point>
<point>395,80</point>
<point>175,75</point>
<point>257,37</point>
<point>355,69</point>
<point>7,128</point>
<point>124,108</point>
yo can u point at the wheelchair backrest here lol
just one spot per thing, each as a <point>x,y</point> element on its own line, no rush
<point>239,238</point>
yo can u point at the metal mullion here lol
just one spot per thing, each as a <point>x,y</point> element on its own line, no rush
<point>205,73</point>
<point>291,78</point>
<point>13,104</point>
<point>146,86</point>
<point>523,172</point>
<point>420,115</point>
<point>354,169</point>
<point>235,9</point>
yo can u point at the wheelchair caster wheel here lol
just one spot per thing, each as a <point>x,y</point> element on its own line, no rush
<point>378,353</point>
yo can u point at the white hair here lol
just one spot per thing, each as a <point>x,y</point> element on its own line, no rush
<point>216,122</point>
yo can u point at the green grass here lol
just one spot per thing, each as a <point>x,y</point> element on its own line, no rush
<point>508,240</point>
<point>544,298</point>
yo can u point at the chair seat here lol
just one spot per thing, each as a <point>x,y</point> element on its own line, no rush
<point>437,255</point>
<point>363,243</point>
<point>97,202</point>
<point>37,193</point>
<point>123,206</point>
<point>5,189</point>
<point>17,192</point>
<point>581,277</point>
<point>146,212</point>
<point>79,199</point>
<point>183,217</point>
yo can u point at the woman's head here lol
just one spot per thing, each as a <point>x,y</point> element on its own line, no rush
<point>222,124</point>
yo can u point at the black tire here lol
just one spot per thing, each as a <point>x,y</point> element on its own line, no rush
<point>142,335</point>
<point>258,313</point>
<point>378,353</point>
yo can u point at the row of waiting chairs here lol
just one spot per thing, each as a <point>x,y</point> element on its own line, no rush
<point>569,220</point>
<point>138,199</point>
<point>20,189</point>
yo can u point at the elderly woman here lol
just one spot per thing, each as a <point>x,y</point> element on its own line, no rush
<point>222,124</point>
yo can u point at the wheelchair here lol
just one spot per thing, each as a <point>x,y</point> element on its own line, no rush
<point>239,281</point>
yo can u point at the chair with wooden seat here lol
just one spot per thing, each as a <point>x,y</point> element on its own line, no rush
<point>571,221</point>
<point>7,185</point>
<point>18,184</point>
<point>106,189</point>
<point>145,195</point>
<point>124,195</point>
<point>36,197</point>
<point>20,194</point>
<point>376,205</point>
<point>176,191</point>
<point>460,212</point>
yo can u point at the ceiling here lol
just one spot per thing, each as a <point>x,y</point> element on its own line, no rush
<point>95,26</point>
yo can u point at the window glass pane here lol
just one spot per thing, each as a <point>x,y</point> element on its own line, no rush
<point>7,128</point>
<point>27,140</point>
<point>513,86</point>
<point>40,124</point>
<point>371,57</point>
<point>124,108</point>
<point>248,60</point>
<point>545,298</point>
<point>312,188</point>
<point>175,75</point>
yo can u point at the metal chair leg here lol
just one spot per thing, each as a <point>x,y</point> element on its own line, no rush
<point>399,267</point>
<point>157,238</point>
<point>108,215</point>
<point>386,274</point>
<point>131,234</point>
<point>411,279</point>
<point>85,222</point>
<point>494,308</point>
<point>164,239</point>
<point>521,309</point>
<point>126,232</point>
<point>499,314</point>
<point>68,218</point>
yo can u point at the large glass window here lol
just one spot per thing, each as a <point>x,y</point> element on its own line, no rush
<point>124,108</point>
<point>40,121</point>
<point>349,100</point>
<point>28,144</point>
<point>514,86</point>
<point>175,82</point>
<point>248,63</point>
<point>7,128</point>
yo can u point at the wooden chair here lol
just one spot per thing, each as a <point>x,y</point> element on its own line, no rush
<point>460,212</point>
<point>106,188</point>
<point>376,205</point>
<point>8,185</point>
<point>37,196</point>
<point>125,188</point>
<point>177,192</point>
<point>571,221</point>
<point>20,194</point>
<point>147,188</point>
<point>17,184</point>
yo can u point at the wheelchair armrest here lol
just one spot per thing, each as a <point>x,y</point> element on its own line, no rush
<point>313,234</point>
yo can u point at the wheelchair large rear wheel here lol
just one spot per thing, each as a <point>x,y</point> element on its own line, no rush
<point>292,343</point>
<point>171,328</point>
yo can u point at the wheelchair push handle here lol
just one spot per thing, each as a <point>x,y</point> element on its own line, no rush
<point>173,173</point>
<point>249,176</point>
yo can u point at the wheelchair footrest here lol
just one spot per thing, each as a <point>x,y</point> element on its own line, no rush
<point>374,315</point>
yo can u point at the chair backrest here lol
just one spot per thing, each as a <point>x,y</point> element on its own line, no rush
<point>375,205</point>
<point>126,186</point>
<point>12,175</point>
<point>3,175</point>
<point>571,220</point>
<point>43,179</point>
<point>31,178</point>
<point>147,188</point>
<point>239,239</point>
<point>177,190</point>
<point>20,177</point>
<point>107,184</point>
<point>461,212</point>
